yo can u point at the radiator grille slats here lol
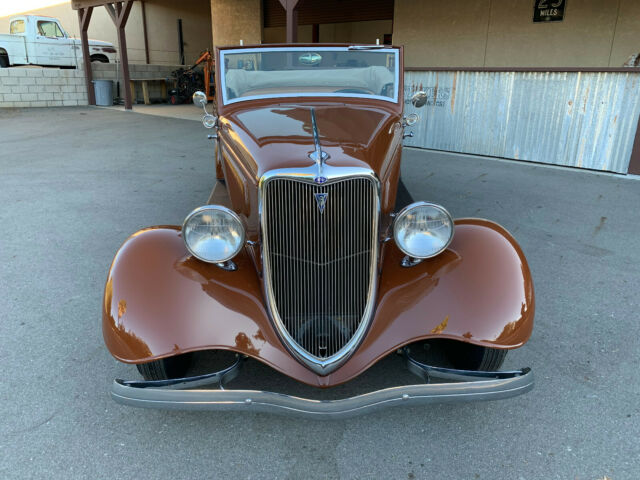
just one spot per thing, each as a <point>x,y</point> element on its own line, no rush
<point>320,261</point>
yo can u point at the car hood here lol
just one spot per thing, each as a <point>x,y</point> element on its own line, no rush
<point>281,136</point>
<point>93,43</point>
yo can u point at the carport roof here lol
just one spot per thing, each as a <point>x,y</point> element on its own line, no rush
<point>77,4</point>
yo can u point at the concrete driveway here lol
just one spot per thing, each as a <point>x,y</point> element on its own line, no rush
<point>74,183</point>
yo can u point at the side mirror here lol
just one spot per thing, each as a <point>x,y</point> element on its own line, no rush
<point>199,99</point>
<point>419,99</point>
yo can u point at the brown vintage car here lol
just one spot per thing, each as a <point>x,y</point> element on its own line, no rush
<point>301,259</point>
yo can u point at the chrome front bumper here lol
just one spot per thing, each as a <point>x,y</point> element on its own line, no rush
<point>172,394</point>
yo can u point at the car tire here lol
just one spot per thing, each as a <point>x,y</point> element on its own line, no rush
<point>166,368</point>
<point>4,61</point>
<point>403,197</point>
<point>466,356</point>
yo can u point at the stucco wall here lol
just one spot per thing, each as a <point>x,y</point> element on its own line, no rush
<point>347,32</point>
<point>498,33</point>
<point>162,30</point>
<point>235,20</point>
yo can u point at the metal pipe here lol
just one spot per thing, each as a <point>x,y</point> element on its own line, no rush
<point>180,43</point>
<point>144,31</point>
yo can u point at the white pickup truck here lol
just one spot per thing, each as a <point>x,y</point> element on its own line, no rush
<point>36,40</point>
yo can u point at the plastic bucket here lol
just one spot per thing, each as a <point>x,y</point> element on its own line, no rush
<point>104,92</point>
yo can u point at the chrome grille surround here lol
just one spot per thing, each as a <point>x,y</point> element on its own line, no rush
<point>333,175</point>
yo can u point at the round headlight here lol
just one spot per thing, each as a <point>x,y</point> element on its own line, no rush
<point>213,233</point>
<point>423,230</point>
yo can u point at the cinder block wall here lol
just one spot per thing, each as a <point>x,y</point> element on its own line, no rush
<point>54,87</point>
<point>41,87</point>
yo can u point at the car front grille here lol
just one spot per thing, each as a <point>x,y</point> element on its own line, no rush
<point>320,262</point>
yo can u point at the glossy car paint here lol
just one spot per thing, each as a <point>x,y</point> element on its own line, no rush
<point>159,301</point>
<point>257,139</point>
<point>258,136</point>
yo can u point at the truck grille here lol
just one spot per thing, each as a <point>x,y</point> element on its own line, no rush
<point>320,256</point>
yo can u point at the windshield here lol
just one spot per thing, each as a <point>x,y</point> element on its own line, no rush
<point>254,73</point>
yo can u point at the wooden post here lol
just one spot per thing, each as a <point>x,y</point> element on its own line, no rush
<point>291,7</point>
<point>120,15</point>
<point>84,17</point>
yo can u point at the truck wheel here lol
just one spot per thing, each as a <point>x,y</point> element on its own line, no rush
<point>466,356</point>
<point>166,368</point>
<point>99,58</point>
<point>4,60</point>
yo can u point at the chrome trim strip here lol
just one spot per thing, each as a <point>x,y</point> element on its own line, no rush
<point>282,404</point>
<point>332,175</point>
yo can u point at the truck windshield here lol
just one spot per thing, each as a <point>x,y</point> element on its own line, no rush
<point>278,72</point>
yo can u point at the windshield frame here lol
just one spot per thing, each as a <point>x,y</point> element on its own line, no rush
<point>308,48</point>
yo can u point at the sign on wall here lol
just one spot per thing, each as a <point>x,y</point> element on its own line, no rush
<point>549,10</point>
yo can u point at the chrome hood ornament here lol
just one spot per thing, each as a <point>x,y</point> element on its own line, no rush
<point>317,155</point>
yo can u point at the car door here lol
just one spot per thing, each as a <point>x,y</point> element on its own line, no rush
<point>52,45</point>
<point>17,46</point>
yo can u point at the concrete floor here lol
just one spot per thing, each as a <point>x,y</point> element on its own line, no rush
<point>74,183</point>
<point>185,111</point>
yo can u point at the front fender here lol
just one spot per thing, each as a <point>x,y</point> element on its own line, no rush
<point>159,301</point>
<point>478,291</point>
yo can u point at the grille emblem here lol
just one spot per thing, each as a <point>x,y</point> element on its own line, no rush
<point>321,200</point>
<point>320,179</point>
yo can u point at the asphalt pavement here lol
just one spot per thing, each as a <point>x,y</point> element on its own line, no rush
<point>75,182</point>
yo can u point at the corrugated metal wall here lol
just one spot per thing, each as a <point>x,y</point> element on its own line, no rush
<point>580,119</point>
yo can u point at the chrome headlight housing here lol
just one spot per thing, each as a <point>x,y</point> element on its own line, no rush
<point>213,233</point>
<point>423,230</point>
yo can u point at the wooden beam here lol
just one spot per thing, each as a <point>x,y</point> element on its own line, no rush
<point>112,12</point>
<point>291,7</point>
<point>119,13</point>
<point>84,17</point>
<point>82,4</point>
<point>122,10</point>
<point>124,13</point>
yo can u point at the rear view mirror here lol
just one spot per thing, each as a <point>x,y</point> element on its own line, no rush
<point>310,58</point>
